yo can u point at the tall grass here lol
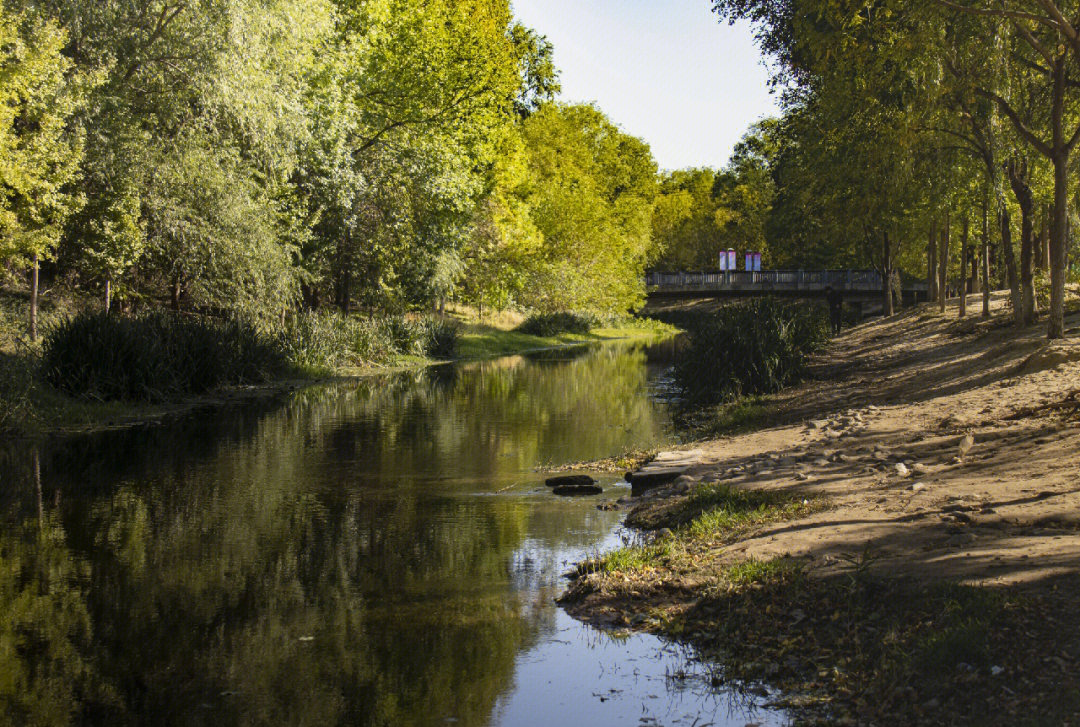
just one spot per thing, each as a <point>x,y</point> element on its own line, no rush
<point>316,341</point>
<point>757,347</point>
<point>161,355</point>
<point>156,356</point>
<point>17,378</point>
<point>552,324</point>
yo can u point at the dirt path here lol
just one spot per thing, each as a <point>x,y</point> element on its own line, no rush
<point>879,434</point>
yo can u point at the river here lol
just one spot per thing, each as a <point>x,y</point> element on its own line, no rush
<point>378,552</point>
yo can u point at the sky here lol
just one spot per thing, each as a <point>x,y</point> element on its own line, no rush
<point>667,71</point>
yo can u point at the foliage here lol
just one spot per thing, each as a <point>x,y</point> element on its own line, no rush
<point>590,194</point>
<point>320,342</point>
<point>550,324</point>
<point>748,348</point>
<point>155,356</point>
<point>17,379</point>
<point>39,153</point>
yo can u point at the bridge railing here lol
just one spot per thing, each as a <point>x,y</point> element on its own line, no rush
<point>780,280</point>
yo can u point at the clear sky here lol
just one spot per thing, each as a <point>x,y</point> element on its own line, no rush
<point>664,70</point>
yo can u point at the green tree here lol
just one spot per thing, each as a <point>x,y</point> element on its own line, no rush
<point>590,192</point>
<point>39,152</point>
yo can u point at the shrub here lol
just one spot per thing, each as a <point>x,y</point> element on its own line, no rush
<point>319,341</point>
<point>441,338</point>
<point>551,324</point>
<point>756,347</point>
<point>156,356</point>
<point>16,384</point>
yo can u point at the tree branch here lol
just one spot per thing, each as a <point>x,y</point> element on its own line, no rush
<point>1042,147</point>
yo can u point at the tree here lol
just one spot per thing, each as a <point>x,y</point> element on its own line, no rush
<point>1043,45</point>
<point>39,153</point>
<point>591,193</point>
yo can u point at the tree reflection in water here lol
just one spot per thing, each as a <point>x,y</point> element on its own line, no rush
<point>373,553</point>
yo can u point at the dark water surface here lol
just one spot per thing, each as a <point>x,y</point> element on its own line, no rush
<point>373,553</point>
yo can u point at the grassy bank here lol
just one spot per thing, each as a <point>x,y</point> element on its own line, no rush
<point>89,370</point>
<point>485,340</point>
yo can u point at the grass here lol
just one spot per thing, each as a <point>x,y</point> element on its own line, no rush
<point>857,647</point>
<point>711,514</point>
<point>853,648</point>
<point>485,340</point>
<point>314,344</point>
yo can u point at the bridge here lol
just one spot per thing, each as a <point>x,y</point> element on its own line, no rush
<point>866,284</point>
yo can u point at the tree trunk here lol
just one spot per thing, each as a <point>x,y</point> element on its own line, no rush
<point>346,291</point>
<point>176,290</point>
<point>931,263</point>
<point>108,294</point>
<point>1010,266</point>
<point>1058,229</point>
<point>34,274</point>
<point>1056,326</point>
<point>964,266</point>
<point>943,265</point>
<point>886,283</point>
<point>1018,179</point>
<point>985,260</point>
<point>1043,254</point>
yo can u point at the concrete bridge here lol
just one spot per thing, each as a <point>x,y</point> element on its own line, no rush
<point>863,284</point>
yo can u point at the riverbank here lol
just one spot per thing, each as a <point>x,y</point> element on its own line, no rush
<point>31,408</point>
<point>911,548</point>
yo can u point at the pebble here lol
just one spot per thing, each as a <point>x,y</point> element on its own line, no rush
<point>901,469</point>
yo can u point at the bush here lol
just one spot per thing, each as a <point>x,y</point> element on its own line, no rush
<point>551,324</point>
<point>756,347</point>
<point>155,356</point>
<point>441,338</point>
<point>320,341</point>
<point>16,384</point>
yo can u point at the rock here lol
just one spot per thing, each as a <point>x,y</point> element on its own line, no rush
<point>577,490</point>
<point>966,443</point>
<point>821,462</point>
<point>918,487</point>
<point>802,477</point>
<point>816,424</point>
<point>652,477</point>
<point>570,481</point>
<point>919,468</point>
<point>901,469</point>
<point>996,671</point>
<point>664,533</point>
<point>608,506</point>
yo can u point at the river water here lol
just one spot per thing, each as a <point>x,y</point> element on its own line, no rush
<point>380,552</point>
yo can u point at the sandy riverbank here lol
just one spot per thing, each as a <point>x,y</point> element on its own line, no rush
<point>936,453</point>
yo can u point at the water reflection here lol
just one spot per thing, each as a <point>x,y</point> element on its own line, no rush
<point>374,553</point>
